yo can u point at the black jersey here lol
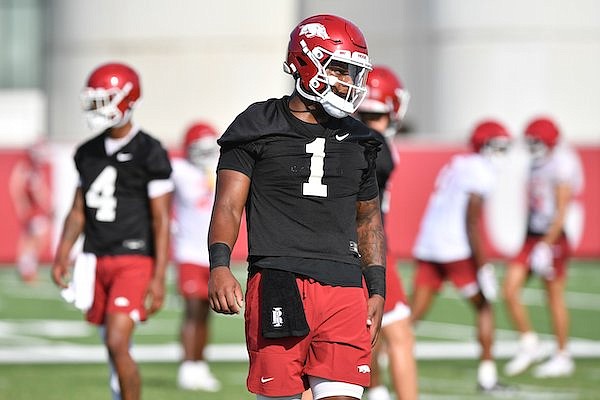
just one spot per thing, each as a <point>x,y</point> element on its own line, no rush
<point>115,190</point>
<point>305,181</point>
<point>385,163</point>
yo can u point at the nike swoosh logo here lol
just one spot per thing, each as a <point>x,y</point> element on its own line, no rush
<point>124,157</point>
<point>265,380</point>
<point>342,137</point>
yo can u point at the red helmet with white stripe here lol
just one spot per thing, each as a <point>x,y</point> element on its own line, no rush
<point>110,95</point>
<point>328,58</point>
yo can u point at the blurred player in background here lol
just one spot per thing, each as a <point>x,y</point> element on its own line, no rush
<point>31,198</point>
<point>555,178</point>
<point>382,111</point>
<point>449,245</point>
<point>304,170</point>
<point>194,177</point>
<point>122,206</point>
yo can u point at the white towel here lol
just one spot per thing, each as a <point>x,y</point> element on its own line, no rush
<point>81,289</point>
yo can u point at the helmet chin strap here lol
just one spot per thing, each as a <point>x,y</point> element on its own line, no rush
<point>333,104</point>
<point>333,110</point>
<point>99,122</point>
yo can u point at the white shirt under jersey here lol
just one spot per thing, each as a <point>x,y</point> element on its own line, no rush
<point>443,233</point>
<point>192,205</point>
<point>562,166</point>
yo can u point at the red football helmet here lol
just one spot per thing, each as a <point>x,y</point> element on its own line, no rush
<point>541,135</point>
<point>544,130</point>
<point>200,143</point>
<point>326,53</point>
<point>490,136</point>
<point>386,94</point>
<point>111,93</point>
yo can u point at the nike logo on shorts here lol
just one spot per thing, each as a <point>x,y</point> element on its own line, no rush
<point>265,380</point>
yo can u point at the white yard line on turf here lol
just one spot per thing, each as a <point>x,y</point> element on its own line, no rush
<point>171,352</point>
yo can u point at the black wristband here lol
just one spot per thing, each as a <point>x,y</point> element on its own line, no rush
<point>219,255</point>
<point>375,279</point>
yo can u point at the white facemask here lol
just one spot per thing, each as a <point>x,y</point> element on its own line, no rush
<point>538,152</point>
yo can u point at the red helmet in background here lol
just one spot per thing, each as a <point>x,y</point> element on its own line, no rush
<point>326,42</point>
<point>541,135</point>
<point>111,93</point>
<point>544,130</point>
<point>200,143</point>
<point>490,136</point>
<point>386,94</point>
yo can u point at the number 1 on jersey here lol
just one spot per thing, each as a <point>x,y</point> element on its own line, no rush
<point>101,195</point>
<point>315,186</point>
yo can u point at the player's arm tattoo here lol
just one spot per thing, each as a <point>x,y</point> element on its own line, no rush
<point>371,236</point>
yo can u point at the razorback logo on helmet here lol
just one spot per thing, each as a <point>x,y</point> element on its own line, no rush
<point>314,29</point>
<point>318,46</point>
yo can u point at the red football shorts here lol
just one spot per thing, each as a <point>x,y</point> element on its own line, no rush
<point>396,304</point>
<point>461,273</point>
<point>120,287</point>
<point>560,251</point>
<point>337,348</point>
<point>193,281</point>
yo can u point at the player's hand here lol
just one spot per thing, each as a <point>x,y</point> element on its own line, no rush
<point>488,284</point>
<point>60,274</point>
<point>374,315</point>
<point>155,295</point>
<point>224,292</point>
<point>541,260</point>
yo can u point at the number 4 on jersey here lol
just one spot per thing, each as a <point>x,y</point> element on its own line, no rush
<point>101,195</point>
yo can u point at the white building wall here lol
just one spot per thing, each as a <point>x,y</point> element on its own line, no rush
<point>462,60</point>
<point>196,60</point>
<point>467,59</point>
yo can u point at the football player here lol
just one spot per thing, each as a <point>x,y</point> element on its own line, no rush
<point>555,178</point>
<point>31,198</point>
<point>194,178</point>
<point>383,110</point>
<point>304,171</point>
<point>449,242</point>
<point>121,205</point>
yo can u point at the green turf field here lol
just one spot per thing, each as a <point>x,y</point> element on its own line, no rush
<point>48,352</point>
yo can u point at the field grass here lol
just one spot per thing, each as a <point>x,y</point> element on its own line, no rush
<point>35,317</point>
<point>440,379</point>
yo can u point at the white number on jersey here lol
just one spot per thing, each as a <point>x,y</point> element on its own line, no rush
<point>314,186</point>
<point>101,195</point>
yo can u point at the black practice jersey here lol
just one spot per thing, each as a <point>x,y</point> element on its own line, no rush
<point>385,163</point>
<point>305,181</point>
<point>115,190</point>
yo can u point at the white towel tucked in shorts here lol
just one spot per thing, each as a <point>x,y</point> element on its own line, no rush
<point>81,289</point>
